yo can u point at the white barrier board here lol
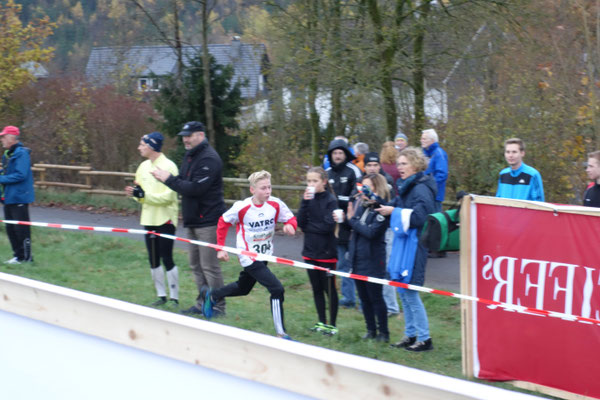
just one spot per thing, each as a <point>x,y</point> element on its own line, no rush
<point>43,361</point>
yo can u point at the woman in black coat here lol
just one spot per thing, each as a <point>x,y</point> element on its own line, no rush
<point>417,195</point>
<point>367,254</point>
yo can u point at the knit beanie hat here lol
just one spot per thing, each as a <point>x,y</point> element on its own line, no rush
<point>154,140</point>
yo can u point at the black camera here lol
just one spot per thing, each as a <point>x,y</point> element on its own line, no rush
<point>373,200</point>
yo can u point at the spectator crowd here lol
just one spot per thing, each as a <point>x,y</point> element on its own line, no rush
<point>363,212</point>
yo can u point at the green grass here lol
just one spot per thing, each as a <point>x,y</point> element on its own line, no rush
<point>116,266</point>
<point>58,197</point>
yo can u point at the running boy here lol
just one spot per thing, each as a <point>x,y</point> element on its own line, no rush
<point>256,218</point>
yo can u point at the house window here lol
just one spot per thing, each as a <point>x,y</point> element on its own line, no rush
<point>261,83</point>
<point>148,85</point>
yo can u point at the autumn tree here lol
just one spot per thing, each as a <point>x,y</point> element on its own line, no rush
<point>66,121</point>
<point>21,46</point>
<point>181,103</point>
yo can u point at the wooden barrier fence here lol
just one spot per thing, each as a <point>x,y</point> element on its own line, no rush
<point>88,187</point>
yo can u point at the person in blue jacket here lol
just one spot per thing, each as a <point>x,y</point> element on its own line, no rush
<point>415,201</point>
<point>367,253</point>
<point>16,179</point>
<point>438,164</point>
<point>519,180</point>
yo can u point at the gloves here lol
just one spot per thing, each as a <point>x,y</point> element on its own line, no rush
<point>138,192</point>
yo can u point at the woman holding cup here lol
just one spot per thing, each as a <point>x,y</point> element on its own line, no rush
<point>415,201</point>
<point>315,218</point>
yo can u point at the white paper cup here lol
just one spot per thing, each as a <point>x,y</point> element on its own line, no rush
<point>311,192</point>
<point>338,215</point>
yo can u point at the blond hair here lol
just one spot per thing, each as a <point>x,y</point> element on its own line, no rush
<point>380,185</point>
<point>415,157</point>
<point>258,176</point>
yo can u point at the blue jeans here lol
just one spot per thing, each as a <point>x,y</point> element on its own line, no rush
<point>389,293</point>
<point>415,316</point>
<point>343,264</point>
<point>438,206</point>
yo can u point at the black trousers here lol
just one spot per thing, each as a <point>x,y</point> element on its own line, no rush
<point>373,306</point>
<point>19,235</point>
<point>160,248</point>
<point>322,284</point>
<point>257,272</point>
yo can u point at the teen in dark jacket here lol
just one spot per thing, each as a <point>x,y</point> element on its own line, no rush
<point>343,175</point>
<point>367,255</point>
<point>315,218</point>
<point>417,196</point>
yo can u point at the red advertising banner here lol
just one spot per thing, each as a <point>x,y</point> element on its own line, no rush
<point>545,260</point>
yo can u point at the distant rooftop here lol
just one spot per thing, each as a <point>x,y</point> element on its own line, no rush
<point>248,61</point>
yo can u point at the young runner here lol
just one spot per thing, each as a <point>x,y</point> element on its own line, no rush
<point>255,218</point>
<point>315,217</point>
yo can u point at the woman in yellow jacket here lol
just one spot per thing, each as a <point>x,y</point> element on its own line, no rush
<point>160,210</point>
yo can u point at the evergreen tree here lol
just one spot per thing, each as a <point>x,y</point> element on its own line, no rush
<point>179,104</point>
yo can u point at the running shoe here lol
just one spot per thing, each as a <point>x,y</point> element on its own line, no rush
<point>193,310</point>
<point>13,260</point>
<point>330,330</point>
<point>319,327</point>
<point>205,293</point>
<point>161,301</point>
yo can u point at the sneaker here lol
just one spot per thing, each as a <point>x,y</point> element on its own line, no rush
<point>330,330</point>
<point>13,260</point>
<point>347,304</point>
<point>160,302</point>
<point>383,337</point>
<point>319,327</point>
<point>405,342</point>
<point>205,293</point>
<point>174,301</point>
<point>421,346</point>
<point>369,335</point>
<point>193,310</point>
<point>286,337</point>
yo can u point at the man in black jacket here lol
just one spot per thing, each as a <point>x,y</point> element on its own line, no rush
<point>200,184</point>
<point>343,176</point>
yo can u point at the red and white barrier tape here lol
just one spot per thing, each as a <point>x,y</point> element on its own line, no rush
<point>285,261</point>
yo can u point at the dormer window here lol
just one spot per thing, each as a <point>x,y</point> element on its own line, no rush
<point>148,85</point>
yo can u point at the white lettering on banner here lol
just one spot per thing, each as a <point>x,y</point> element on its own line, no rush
<point>497,274</point>
<point>502,271</point>
<point>568,289</point>
<point>541,282</point>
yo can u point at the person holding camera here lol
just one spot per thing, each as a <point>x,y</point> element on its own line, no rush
<point>415,201</point>
<point>160,211</point>
<point>367,252</point>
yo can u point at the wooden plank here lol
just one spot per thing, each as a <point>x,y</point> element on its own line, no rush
<point>63,184</point>
<point>465,286</point>
<point>108,173</point>
<point>294,366</point>
<point>67,167</point>
<point>536,205</point>
<point>563,394</point>
<point>103,191</point>
<point>284,187</point>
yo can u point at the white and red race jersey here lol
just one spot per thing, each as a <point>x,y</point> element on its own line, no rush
<point>255,225</point>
